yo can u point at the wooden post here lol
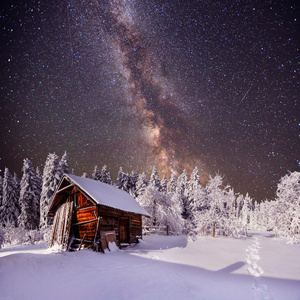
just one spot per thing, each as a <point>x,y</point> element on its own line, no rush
<point>214,229</point>
<point>167,229</point>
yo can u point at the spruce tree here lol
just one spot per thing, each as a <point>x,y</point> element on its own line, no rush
<point>10,203</point>
<point>154,179</point>
<point>133,178</point>
<point>122,180</point>
<point>181,191</point>
<point>29,197</point>
<point>51,177</point>
<point>172,184</point>
<point>194,180</point>
<point>64,164</point>
<point>1,192</point>
<point>105,176</point>
<point>96,174</point>
<point>164,184</point>
<point>141,184</point>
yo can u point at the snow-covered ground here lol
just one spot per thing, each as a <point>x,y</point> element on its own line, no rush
<point>160,267</point>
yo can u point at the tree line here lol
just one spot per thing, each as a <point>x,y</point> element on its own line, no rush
<point>181,203</point>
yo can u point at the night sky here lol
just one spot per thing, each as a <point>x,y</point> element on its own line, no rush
<point>176,84</point>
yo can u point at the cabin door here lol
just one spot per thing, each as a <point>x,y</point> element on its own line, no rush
<point>124,230</point>
<point>62,225</point>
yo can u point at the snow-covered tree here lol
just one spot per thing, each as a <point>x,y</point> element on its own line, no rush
<point>194,180</point>
<point>215,220</point>
<point>105,176</point>
<point>163,210</point>
<point>1,192</point>
<point>154,179</point>
<point>39,175</point>
<point>17,188</point>
<point>51,177</point>
<point>29,197</point>
<point>10,209</point>
<point>133,178</point>
<point>196,196</point>
<point>164,184</point>
<point>2,238</point>
<point>288,206</point>
<point>172,184</point>
<point>141,184</point>
<point>245,212</point>
<point>122,180</point>
<point>84,175</point>
<point>96,173</point>
<point>64,164</point>
<point>182,193</point>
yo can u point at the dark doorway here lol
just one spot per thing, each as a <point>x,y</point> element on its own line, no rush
<point>124,230</point>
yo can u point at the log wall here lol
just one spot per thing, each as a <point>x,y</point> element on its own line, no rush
<point>110,220</point>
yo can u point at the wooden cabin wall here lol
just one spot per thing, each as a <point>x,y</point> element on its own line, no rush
<point>111,218</point>
<point>84,212</point>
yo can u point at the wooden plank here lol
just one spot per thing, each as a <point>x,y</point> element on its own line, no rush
<point>67,225</point>
<point>87,208</point>
<point>86,222</point>
<point>65,188</point>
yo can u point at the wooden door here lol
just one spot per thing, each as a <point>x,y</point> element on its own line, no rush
<point>124,230</point>
<point>62,225</point>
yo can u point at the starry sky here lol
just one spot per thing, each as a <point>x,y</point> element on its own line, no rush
<point>176,84</point>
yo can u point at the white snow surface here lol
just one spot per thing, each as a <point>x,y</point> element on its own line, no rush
<point>108,195</point>
<point>159,267</point>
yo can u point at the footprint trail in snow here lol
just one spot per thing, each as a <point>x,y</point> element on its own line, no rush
<point>260,290</point>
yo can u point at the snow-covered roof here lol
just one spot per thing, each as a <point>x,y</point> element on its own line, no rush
<point>105,194</point>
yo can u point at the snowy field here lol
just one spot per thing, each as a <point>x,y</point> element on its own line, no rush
<point>160,267</point>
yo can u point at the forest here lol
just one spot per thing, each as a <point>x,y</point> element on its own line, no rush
<point>180,204</point>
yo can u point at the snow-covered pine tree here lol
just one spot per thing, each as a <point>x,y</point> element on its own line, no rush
<point>37,191</point>
<point>105,176</point>
<point>181,191</point>
<point>96,174</point>
<point>172,184</point>
<point>122,180</point>
<point>17,186</point>
<point>39,175</point>
<point>164,184</point>
<point>288,206</point>
<point>64,163</point>
<point>245,212</point>
<point>141,184</point>
<point>10,209</point>
<point>84,175</point>
<point>163,210</point>
<point>231,202</point>
<point>195,195</point>
<point>216,217</point>
<point>2,238</point>
<point>154,179</point>
<point>133,178</point>
<point>194,180</point>
<point>1,192</point>
<point>29,197</point>
<point>51,177</point>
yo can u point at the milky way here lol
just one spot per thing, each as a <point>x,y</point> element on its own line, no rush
<point>143,83</point>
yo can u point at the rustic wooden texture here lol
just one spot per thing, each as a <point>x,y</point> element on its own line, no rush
<point>83,201</point>
<point>110,220</point>
<point>62,225</point>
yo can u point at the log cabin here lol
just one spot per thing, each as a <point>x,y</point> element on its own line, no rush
<point>89,213</point>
